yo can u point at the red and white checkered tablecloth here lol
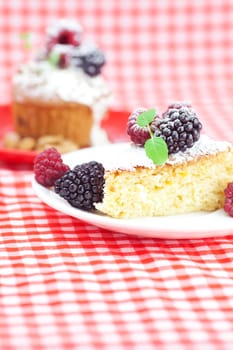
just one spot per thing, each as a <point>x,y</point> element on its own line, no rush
<point>157,51</point>
<point>67,285</point>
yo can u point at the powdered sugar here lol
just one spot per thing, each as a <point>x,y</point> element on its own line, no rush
<point>131,156</point>
<point>67,23</point>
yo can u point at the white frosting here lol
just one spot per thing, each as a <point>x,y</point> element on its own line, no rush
<point>67,23</point>
<point>40,81</point>
<point>132,156</point>
<point>60,48</point>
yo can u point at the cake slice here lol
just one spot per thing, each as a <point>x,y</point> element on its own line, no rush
<point>188,181</point>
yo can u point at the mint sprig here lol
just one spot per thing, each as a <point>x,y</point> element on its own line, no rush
<point>26,39</point>
<point>53,58</point>
<point>145,118</point>
<point>156,148</point>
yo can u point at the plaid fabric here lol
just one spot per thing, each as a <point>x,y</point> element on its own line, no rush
<point>65,284</point>
<point>69,285</point>
<point>157,51</point>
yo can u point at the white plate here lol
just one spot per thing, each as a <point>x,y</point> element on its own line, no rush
<point>195,225</point>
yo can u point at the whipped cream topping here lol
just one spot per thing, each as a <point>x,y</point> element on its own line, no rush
<point>42,82</point>
<point>131,156</point>
<point>67,23</point>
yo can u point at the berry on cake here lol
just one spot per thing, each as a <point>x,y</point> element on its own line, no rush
<point>168,168</point>
<point>62,92</point>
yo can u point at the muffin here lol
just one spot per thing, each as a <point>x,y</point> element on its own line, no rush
<point>62,91</point>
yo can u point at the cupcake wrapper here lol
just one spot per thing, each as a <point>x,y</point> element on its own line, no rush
<point>73,121</point>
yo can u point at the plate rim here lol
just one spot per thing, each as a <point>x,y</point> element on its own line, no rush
<point>125,225</point>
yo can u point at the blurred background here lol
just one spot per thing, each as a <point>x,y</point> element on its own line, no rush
<point>157,51</point>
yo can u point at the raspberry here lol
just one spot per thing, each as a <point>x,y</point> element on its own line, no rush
<point>63,32</point>
<point>89,58</point>
<point>63,61</point>
<point>138,134</point>
<point>83,186</point>
<point>65,37</point>
<point>228,203</point>
<point>68,37</point>
<point>179,127</point>
<point>63,52</point>
<point>48,167</point>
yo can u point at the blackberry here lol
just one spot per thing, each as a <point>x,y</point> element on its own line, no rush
<point>138,134</point>
<point>176,105</point>
<point>82,186</point>
<point>93,63</point>
<point>89,58</point>
<point>179,127</point>
<point>179,104</point>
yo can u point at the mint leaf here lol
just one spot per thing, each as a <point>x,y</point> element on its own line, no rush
<point>26,38</point>
<point>146,117</point>
<point>156,149</point>
<point>54,58</point>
